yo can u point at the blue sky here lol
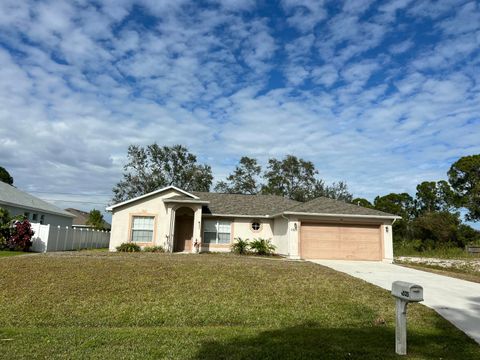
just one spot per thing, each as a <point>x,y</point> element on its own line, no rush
<point>380,94</point>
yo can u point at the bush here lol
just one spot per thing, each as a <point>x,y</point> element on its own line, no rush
<point>154,249</point>
<point>437,229</point>
<point>21,237</point>
<point>5,228</point>
<point>128,247</point>
<point>262,247</point>
<point>240,246</point>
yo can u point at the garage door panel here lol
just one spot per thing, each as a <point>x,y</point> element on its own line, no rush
<point>334,241</point>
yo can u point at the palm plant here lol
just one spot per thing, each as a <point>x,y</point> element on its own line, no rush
<point>240,246</point>
<point>262,246</point>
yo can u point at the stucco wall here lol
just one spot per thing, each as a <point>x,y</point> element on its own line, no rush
<point>49,219</point>
<point>152,206</point>
<point>280,235</point>
<point>387,236</point>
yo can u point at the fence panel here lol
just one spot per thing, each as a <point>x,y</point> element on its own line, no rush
<point>58,238</point>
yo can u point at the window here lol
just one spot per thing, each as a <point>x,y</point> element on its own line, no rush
<point>35,217</point>
<point>42,219</point>
<point>216,232</point>
<point>256,225</point>
<point>27,215</point>
<point>142,229</point>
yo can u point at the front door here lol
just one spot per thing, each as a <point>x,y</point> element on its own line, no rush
<point>183,233</point>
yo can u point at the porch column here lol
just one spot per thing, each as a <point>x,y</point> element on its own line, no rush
<point>197,227</point>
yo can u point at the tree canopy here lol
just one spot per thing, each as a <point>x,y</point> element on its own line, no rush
<point>95,219</point>
<point>434,196</point>
<point>5,176</point>
<point>244,179</point>
<point>152,167</point>
<point>464,177</point>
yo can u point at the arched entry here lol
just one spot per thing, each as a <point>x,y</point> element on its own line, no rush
<point>183,230</point>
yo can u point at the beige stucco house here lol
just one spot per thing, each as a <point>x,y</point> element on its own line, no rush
<point>322,228</point>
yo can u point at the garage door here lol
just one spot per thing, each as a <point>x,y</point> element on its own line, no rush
<point>345,242</point>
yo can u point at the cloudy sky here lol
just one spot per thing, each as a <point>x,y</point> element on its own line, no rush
<point>381,94</point>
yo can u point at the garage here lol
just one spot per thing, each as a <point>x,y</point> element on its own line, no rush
<point>340,241</point>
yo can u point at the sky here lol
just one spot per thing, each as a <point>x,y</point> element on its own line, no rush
<point>380,94</point>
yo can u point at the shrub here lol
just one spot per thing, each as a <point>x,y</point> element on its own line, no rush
<point>21,237</point>
<point>154,249</point>
<point>437,229</point>
<point>240,246</point>
<point>262,247</point>
<point>128,247</point>
<point>5,228</point>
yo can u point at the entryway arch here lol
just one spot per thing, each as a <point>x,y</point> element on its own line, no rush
<point>183,231</point>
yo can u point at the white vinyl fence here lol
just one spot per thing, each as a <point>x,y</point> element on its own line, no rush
<point>62,238</point>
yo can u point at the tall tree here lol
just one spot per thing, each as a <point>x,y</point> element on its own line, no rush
<point>243,180</point>
<point>464,177</point>
<point>362,202</point>
<point>95,219</point>
<point>337,191</point>
<point>434,196</point>
<point>291,177</point>
<point>5,176</point>
<point>152,167</point>
<point>398,204</point>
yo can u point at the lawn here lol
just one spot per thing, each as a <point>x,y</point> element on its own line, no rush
<point>149,306</point>
<point>7,253</point>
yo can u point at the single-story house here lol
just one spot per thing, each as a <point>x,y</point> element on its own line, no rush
<point>322,228</point>
<point>36,210</point>
<point>80,220</point>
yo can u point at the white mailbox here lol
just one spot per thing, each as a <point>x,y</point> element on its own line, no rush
<point>407,291</point>
<point>404,293</point>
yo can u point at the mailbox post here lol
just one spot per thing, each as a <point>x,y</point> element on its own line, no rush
<point>404,293</point>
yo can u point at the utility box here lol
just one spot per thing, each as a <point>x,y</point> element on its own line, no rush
<point>407,291</point>
<point>404,293</point>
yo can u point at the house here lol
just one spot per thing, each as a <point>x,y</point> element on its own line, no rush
<point>80,219</point>
<point>322,228</point>
<point>18,202</point>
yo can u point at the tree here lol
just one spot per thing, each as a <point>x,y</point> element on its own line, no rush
<point>95,219</point>
<point>434,196</point>
<point>336,191</point>
<point>243,180</point>
<point>464,177</point>
<point>291,177</point>
<point>401,205</point>
<point>437,229</point>
<point>152,167</point>
<point>5,176</point>
<point>362,202</point>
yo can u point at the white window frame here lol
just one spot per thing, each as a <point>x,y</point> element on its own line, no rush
<point>142,229</point>
<point>217,227</point>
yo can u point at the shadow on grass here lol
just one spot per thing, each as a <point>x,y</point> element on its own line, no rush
<point>310,341</point>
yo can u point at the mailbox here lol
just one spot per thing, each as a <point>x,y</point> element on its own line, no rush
<point>407,291</point>
<point>404,293</point>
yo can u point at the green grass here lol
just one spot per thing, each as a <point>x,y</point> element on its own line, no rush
<point>8,253</point>
<point>441,253</point>
<point>149,306</point>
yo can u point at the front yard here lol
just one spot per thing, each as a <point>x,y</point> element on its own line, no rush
<point>110,306</point>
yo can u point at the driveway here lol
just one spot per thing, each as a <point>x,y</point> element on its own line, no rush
<point>456,300</point>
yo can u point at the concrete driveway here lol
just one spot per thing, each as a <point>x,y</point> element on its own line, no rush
<point>456,300</point>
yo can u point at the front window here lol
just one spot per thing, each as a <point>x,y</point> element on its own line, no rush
<point>216,232</point>
<point>142,229</point>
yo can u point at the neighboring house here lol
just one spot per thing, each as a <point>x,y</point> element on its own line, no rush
<point>80,220</point>
<point>183,221</point>
<point>34,209</point>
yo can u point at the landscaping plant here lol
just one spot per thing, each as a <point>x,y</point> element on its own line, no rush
<point>128,247</point>
<point>154,249</point>
<point>21,237</point>
<point>240,246</point>
<point>262,246</point>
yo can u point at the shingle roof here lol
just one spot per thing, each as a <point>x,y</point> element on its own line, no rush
<point>10,195</point>
<point>323,205</point>
<point>238,204</point>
